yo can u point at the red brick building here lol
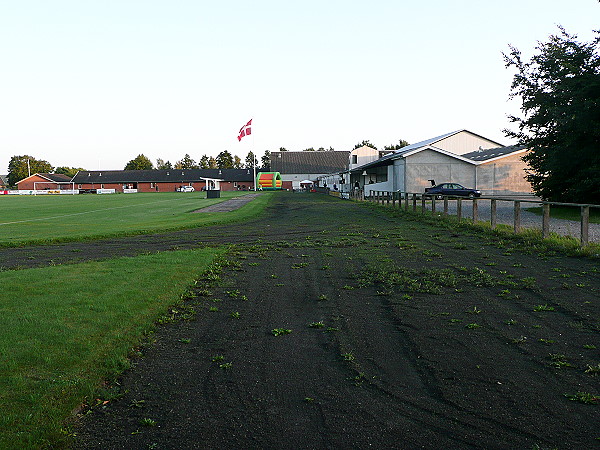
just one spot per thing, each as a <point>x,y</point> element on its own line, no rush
<point>44,182</point>
<point>165,180</point>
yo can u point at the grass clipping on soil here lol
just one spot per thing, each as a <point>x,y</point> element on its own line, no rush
<point>67,328</point>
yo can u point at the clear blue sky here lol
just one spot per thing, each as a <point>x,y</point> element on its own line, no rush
<point>93,84</point>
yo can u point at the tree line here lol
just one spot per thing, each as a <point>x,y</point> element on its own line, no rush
<point>224,160</point>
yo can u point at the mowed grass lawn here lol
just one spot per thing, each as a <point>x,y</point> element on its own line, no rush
<point>53,218</point>
<point>65,329</point>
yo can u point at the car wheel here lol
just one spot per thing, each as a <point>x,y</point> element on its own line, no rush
<point>471,195</point>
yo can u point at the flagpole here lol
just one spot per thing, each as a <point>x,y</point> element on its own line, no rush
<point>254,161</point>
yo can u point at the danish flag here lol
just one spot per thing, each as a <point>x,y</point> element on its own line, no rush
<point>246,130</point>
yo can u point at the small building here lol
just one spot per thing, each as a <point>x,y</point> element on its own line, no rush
<point>296,167</point>
<point>45,182</point>
<point>169,180</point>
<point>3,181</point>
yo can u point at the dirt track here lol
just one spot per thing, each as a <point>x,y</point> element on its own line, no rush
<point>429,340</point>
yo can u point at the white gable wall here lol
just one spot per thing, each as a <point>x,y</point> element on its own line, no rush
<point>503,176</point>
<point>364,155</point>
<point>431,165</point>
<point>465,142</point>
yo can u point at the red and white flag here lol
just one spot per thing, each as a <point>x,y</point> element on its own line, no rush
<point>246,130</point>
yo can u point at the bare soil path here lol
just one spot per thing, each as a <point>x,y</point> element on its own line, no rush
<point>402,335</point>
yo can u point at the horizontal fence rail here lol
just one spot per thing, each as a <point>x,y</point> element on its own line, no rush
<point>487,208</point>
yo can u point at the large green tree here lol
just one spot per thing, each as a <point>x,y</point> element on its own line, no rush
<point>265,161</point>
<point>401,143</point>
<point>186,163</point>
<point>161,164</point>
<point>250,160</point>
<point>560,124</point>
<point>69,171</point>
<point>204,162</point>
<point>363,144</point>
<point>224,160</point>
<point>237,162</point>
<point>140,162</point>
<point>20,167</point>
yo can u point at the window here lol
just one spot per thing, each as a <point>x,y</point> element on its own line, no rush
<point>354,159</point>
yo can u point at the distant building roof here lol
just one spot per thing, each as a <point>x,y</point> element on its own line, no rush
<point>53,177</point>
<point>490,153</point>
<point>59,177</point>
<point>163,176</point>
<point>313,162</point>
<point>3,180</point>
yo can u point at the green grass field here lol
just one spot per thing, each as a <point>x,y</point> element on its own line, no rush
<point>42,219</point>
<point>67,328</point>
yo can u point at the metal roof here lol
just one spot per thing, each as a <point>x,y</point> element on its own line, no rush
<point>490,153</point>
<point>315,162</point>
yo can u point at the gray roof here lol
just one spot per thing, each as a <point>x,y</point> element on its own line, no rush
<point>4,180</point>
<point>316,162</point>
<point>59,177</point>
<point>490,153</point>
<point>163,176</point>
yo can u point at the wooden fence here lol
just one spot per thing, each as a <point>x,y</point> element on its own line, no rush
<point>409,201</point>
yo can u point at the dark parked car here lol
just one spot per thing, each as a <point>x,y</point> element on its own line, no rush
<point>454,189</point>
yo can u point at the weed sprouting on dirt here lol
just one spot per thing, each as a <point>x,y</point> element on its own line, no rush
<point>519,340</point>
<point>349,356</point>
<point>540,308</point>
<point>429,281</point>
<point>584,397</point>
<point>280,331</point>
<point>147,422</point>
<point>593,370</point>
<point>559,361</point>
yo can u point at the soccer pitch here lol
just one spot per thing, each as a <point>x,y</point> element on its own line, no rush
<point>55,218</point>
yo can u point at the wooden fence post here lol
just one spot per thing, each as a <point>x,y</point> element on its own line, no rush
<point>493,216</point>
<point>517,216</point>
<point>546,220</point>
<point>406,201</point>
<point>445,205</point>
<point>585,224</point>
<point>433,205</point>
<point>459,208</point>
<point>475,211</point>
<point>422,204</point>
